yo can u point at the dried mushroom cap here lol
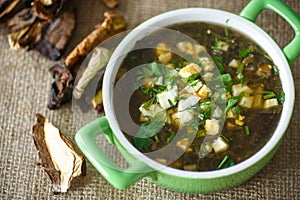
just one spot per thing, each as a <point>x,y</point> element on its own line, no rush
<point>61,161</point>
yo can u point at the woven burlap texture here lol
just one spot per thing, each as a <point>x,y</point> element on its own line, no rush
<point>25,83</point>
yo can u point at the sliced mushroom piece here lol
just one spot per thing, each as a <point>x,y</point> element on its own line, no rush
<point>60,160</point>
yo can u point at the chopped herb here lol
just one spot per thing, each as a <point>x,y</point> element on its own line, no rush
<point>269,94</point>
<point>201,132</point>
<point>236,110</point>
<point>227,139</point>
<point>231,102</point>
<point>215,45</point>
<point>226,32</point>
<point>244,52</point>
<point>227,81</point>
<point>227,20</point>
<point>156,138</point>
<point>226,162</point>
<point>247,130</point>
<point>240,68</point>
<point>268,57</point>
<point>142,140</point>
<point>281,97</point>
<point>171,137</point>
<point>192,79</point>
<point>219,63</point>
<point>171,103</point>
<point>275,70</point>
<point>240,77</point>
<point>205,109</point>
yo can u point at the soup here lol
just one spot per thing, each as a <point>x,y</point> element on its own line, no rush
<point>200,104</point>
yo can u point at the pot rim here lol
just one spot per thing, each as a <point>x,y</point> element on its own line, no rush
<point>220,17</point>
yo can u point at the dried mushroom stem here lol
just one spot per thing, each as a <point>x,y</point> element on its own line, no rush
<point>113,23</point>
<point>61,161</point>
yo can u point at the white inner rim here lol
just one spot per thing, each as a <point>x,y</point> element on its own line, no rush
<point>210,16</point>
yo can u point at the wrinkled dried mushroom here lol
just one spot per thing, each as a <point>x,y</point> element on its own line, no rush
<point>62,86</point>
<point>48,24</point>
<point>112,24</point>
<point>61,161</point>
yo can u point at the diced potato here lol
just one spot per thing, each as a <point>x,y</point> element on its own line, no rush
<point>189,70</point>
<point>212,126</point>
<point>239,122</point>
<point>234,63</point>
<point>188,102</point>
<point>180,118</point>
<point>206,63</point>
<point>246,102</point>
<point>270,103</point>
<point>204,92</point>
<point>258,101</point>
<point>230,115</point>
<point>190,167</point>
<point>151,111</point>
<point>192,88</point>
<point>183,144</point>
<point>165,58</point>
<point>222,45</point>
<point>220,145</point>
<point>161,48</point>
<point>230,125</point>
<point>161,161</point>
<point>168,98</point>
<point>239,89</point>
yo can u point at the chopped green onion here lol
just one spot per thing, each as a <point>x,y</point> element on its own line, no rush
<point>240,77</point>
<point>156,138</point>
<point>281,97</point>
<point>269,94</point>
<point>240,68</point>
<point>201,132</point>
<point>226,32</point>
<point>244,52</point>
<point>247,130</point>
<point>227,139</point>
<point>227,20</point>
<point>171,137</point>
<point>219,63</point>
<point>226,162</point>
<point>275,70</point>
<point>268,57</point>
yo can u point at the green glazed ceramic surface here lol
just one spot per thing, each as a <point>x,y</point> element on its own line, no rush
<point>179,180</point>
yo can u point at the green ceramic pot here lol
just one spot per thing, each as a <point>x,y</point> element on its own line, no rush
<point>178,180</point>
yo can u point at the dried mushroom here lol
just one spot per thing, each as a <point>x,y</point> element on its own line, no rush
<point>112,24</point>
<point>9,8</point>
<point>61,161</point>
<point>49,25</point>
<point>62,86</point>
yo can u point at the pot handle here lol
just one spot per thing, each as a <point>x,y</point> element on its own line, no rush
<point>255,7</point>
<point>119,178</point>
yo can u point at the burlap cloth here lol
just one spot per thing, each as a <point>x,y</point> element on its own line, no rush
<point>24,88</point>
